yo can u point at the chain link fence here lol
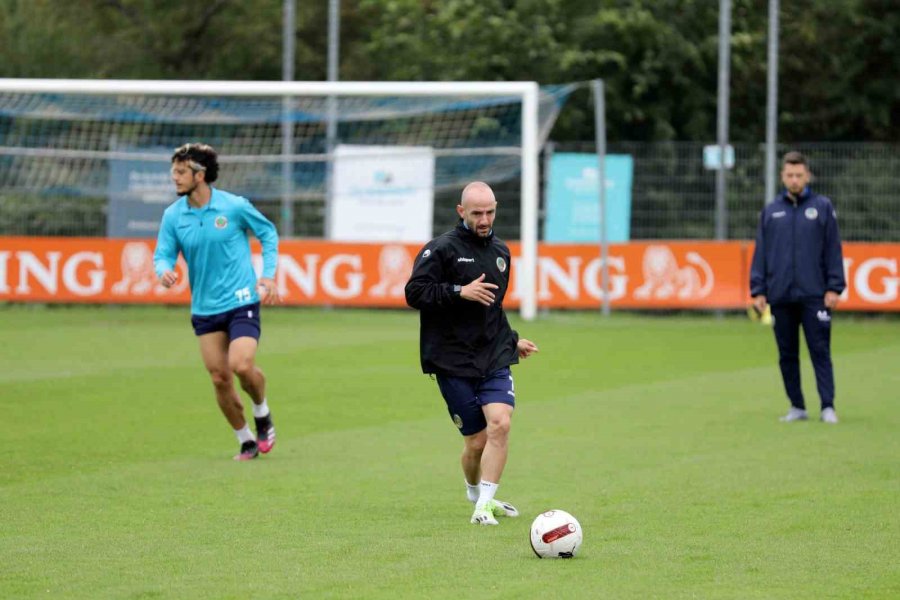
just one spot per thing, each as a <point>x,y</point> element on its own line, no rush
<point>673,196</point>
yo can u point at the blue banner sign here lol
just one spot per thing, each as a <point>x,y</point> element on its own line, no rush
<point>573,201</point>
<point>139,191</point>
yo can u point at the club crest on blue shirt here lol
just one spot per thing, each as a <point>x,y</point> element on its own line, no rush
<point>811,213</point>
<point>221,222</point>
<point>501,264</point>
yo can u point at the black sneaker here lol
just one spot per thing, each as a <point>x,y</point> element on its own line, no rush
<point>249,451</point>
<point>265,433</point>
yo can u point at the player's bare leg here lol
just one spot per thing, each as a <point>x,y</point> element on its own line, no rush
<point>242,361</point>
<point>473,447</point>
<point>493,460</point>
<point>214,351</point>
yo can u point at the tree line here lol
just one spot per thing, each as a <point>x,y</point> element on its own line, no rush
<point>839,59</point>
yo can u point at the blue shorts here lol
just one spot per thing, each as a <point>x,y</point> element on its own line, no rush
<point>242,321</point>
<point>466,395</point>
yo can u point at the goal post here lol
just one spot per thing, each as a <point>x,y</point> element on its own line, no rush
<point>537,110</point>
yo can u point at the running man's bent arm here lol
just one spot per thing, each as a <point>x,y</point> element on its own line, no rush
<point>265,232</point>
<point>427,288</point>
<point>166,253</point>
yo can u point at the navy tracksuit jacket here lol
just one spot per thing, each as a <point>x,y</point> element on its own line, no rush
<point>797,259</point>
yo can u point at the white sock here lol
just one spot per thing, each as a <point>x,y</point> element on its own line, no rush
<point>487,491</point>
<point>472,491</point>
<point>244,434</point>
<point>261,410</point>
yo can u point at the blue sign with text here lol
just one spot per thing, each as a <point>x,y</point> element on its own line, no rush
<point>139,191</point>
<point>573,201</point>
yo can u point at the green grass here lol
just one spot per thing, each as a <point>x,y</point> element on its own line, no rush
<point>659,433</point>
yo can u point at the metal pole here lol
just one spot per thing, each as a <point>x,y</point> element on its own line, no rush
<point>600,137</point>
<point>334,44</point>
<point>334,38</point>
<point>549,149</point>
<point>527,275</point>
<point>722,129</point>
<point>287,125</point>
<point>772,102</point>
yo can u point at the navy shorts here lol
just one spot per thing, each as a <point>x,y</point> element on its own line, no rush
<point>242,321</point>
<point>466,395</point>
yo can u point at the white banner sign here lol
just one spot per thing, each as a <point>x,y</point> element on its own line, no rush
<point>382,193</point>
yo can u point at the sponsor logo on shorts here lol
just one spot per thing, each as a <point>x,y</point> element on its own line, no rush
<point>221,222</point>
<point>501,264</point>
<point>811,213</point>
<point>823,316</point>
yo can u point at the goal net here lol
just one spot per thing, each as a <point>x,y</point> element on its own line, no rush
<point>91,157</point>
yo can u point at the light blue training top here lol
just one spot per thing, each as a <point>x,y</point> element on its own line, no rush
<point>214,242</point>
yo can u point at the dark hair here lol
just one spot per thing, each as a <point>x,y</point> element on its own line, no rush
<point>200,157</point>
<point>794,158</point>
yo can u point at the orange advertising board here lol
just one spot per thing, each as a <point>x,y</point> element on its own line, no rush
<point>697,274</point>
<point>872,272</point>
<point>651,275</point>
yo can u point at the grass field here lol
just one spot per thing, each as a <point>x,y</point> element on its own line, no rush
<point>659,433</point>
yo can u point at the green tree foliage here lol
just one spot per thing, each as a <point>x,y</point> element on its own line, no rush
<point>838,67</point>
<point>491,40</point>
<point>840,61</point>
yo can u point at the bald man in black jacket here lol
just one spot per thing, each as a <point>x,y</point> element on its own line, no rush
<point>458,285</point>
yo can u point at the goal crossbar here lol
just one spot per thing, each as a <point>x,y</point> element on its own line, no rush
<point>526,91</point>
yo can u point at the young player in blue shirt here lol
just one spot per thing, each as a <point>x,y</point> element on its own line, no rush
<point>209,227</point>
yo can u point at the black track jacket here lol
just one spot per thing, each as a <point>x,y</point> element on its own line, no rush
<point>459,337</point>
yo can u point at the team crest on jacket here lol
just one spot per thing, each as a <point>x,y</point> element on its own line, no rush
<point>427,253</point>
<point>501,264</point>
<point>221,222</point>
<point>811,213</point>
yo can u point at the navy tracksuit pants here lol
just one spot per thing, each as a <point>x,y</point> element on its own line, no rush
<point>816,322</point>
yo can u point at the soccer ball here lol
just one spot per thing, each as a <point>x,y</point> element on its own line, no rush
<point>555,534</point>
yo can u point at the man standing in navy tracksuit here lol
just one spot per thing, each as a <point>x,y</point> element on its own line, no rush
<point>798,268</point>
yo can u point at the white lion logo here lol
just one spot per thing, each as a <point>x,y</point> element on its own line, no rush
<point>663,278</point>
<point>394,266</point>
<point>138,276</point>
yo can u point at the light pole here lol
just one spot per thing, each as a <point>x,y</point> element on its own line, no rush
<point>722,128</point>
<point>331,123</point>
<point>287,122</point>
<point>772,101</point>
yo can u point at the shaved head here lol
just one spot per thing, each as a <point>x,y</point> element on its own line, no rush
<point>476,190</point>
<point>477,208</point>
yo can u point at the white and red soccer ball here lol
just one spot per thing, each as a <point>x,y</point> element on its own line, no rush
<point>556,534</point>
